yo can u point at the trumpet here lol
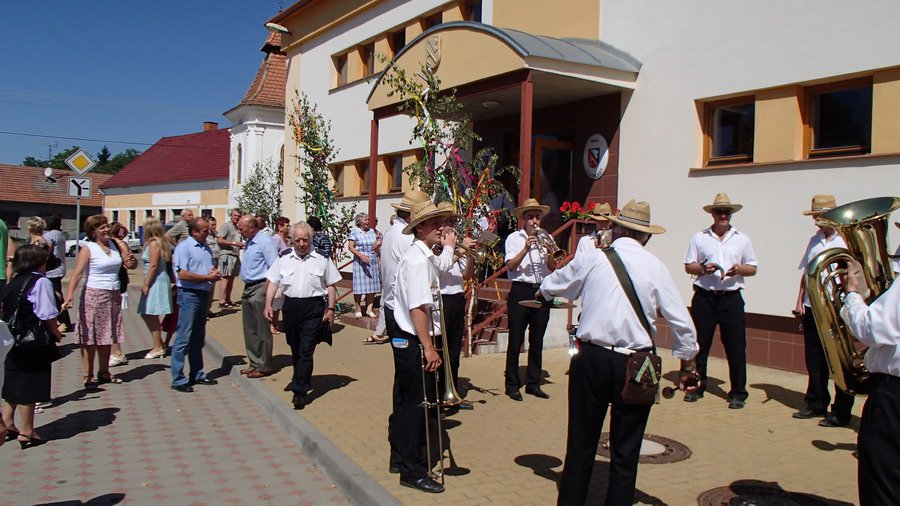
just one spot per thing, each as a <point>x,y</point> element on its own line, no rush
<point>545,241</point>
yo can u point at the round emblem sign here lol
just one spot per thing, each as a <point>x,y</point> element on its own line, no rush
<point>596,156</point>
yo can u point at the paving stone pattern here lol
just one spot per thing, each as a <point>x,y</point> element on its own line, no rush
<point>142,443</point>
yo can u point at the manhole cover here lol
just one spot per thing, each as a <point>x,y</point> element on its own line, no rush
<point>755,496</point>
<point>654,449</point>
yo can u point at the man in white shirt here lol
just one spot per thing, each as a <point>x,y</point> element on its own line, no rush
<point>817,396</point>
<point>416,285</point>
<point>602,238</point>
<point>609,332</point>
<point>305,278</point>
<point>721,257</point>
<point>528,264</point>
<point>877,325</point>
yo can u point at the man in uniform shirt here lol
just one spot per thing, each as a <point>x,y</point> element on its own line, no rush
<point>412,344</point>
<point>305,277</point>
<point>610,330</point>
<point>528,264</point>
<point>602,238</point>
<point>230,244</point>
<point>817,396</point>
<point>877,326</point>
<point>177,234</point>
<point>194,277</point>
<point>721,257</point>
<point>259,255</point>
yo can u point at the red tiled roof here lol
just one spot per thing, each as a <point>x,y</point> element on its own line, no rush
<point>28,184</point>
<point>201,156</point>
<point>268,87</point>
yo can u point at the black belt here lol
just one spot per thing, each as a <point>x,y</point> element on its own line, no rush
<point>886,379</point>
<point>532,285</point>
<point>612,348</point>
<point>248,284</point>
<point>715,292</point>
<point>198,291</point>
<point>461,294</point>
<point>318,298</point>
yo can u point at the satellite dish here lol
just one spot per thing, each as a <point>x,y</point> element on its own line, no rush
<point>48,172</point>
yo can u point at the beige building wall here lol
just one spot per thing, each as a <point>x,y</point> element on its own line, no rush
<point>154,202</point>
<point>573,18</point>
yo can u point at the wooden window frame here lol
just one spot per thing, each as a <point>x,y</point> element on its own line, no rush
<point>708,108</point>
<point>808,130</point>
<point>389,163</point>
<point>337,175</point>
<point>367,58</point>
<point>361,174</point>
<point>341,71</point>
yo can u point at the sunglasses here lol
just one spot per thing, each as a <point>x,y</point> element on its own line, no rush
<point>726,212</point>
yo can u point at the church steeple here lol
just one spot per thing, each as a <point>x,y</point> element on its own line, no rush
<point>268,87</point>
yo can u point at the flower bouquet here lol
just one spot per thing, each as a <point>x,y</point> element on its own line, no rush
<point>574,210</point>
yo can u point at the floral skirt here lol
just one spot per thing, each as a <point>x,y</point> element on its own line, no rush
<point>99,318</point>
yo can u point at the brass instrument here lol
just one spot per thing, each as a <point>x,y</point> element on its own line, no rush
<point>545,241</point>
<point>450,397</point>
<point>603,239</point>
<point>863,226</point>
<point>483,254</point>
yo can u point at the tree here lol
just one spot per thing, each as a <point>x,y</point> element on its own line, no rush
<point>103,156</point>
<point>116,163</point>
<point>314,154</point>
<point>261,191</point>
<point>105,165</point>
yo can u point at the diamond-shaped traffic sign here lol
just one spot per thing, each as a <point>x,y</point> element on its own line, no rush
<point>80,162</point>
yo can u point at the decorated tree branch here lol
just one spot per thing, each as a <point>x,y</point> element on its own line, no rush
<point>315,152</point>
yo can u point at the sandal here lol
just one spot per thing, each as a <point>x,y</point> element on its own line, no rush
<point>108,378</point>
<point>357,314</point>
<point>30,440</point>
<point>117,361</point>
<point>11,433</point>
<point>370,340</point>
<point>90,383</point>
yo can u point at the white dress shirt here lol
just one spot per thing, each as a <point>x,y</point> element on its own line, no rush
<point>607,317</point>
<point>416,275</point>
<point>533,268</point>
<point>587,245</point>
<point>452,279</point>
<point>303,277</point>
<point>733,248</point>
<point>877,326</point>
<point>817,244</point>
<point>394,245</point>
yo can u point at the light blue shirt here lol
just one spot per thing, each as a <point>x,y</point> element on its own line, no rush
<point>193,257</point>
<point>259,255</point>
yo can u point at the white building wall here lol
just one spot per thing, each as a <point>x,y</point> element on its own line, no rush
<point>260,132</point>
<point>697,49</point>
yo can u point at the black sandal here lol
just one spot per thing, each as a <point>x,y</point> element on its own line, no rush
<point>32,440</point>
<point>108,378</point>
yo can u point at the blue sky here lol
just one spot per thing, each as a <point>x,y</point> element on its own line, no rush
<point>122,70</point>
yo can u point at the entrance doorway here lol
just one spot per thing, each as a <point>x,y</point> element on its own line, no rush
<point>551,179</point>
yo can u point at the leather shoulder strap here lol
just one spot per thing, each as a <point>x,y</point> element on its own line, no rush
<point>628,287</point>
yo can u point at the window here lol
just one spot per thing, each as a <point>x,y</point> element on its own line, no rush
<point>337,172</point>
<point>162,215</point>
<point>148,214</point>
<point>431,21</point>
<point>729,131</point>
<point>239,160</point>
<point>362,167</point>
<point>132,220</point>
<point>11,218</point>
<point>840,119</point>
<point>367,55</point>
<point>473,10</point>
<point>394,165</point>
<point>115,216</point>
<point>206,213</point>
<point>341,68</point>
<point>397,40</point>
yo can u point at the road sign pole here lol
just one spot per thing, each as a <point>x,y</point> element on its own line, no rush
<point>77,226</point>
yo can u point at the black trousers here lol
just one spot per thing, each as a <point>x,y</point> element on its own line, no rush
<point>817,395</point>
<point>596,378</point>
<point>406,429</point>
<point>878,445</point>
<point>302,321</point>
<point>726,310</point>
<point>520,318</point>
<point>455,319</point>
<point>63,313</point>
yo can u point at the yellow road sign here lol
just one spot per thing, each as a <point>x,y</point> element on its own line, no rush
<point>80,162</point>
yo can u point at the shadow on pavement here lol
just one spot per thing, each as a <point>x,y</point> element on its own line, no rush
<point>465,384</point>
<point>66,349</point>
<point>523,370</point>
<point>141,372</point>
<point>789,398</point>
<point>713,385</point>
<point>825,446</point>
<point>542,465</point>
<point>757,490</point>
<point>77,423</point>
<point>101,500</point>
<point>324,383</point>
<point>228,364</point>
<point>77,395</point>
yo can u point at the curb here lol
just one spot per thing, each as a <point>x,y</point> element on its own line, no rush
<point>351,480</point>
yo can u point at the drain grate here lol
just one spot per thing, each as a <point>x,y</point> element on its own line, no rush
<point>752,495</point>
<point>654,449</point>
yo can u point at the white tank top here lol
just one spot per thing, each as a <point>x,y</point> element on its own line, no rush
<point>103,270</point>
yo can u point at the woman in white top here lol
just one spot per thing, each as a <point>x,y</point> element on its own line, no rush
<point>100,307</point>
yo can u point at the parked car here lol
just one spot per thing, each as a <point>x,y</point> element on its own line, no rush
<point>70,244</point>
<point>132,240</point>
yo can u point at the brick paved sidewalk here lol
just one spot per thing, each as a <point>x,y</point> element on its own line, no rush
<point>142,443</point>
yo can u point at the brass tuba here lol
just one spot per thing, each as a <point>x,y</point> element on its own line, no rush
<point>863,226</point>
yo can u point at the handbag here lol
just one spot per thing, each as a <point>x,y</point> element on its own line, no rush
<point>33,336</point>
<point>643,368</point>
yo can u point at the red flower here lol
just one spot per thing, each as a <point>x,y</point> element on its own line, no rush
<point>591,205</point>
<point>565,206</point>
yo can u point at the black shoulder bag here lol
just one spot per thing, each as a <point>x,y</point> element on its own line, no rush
<point>28,332</point>
<point>643,369</point>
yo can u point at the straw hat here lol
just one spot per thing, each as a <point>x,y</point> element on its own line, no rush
<point>531,205</point>
<point>447,208</point>
<point>409,200</point>
<point>601,212</point>
<point>422,211</point>
<point>820,204</point>
<point>636,216</point>
<point>722,202</point>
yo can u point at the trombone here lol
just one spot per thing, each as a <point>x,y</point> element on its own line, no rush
<point>450,397</point>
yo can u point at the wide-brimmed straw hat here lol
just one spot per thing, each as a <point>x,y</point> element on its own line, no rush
<point>422,211</point>
<point>636,216</point>
<point>531,205</point>
<point>449,209</point>
<point>410,199</point>
<point>820,204</point>
<point>722,202</point>
<point>601,212</point>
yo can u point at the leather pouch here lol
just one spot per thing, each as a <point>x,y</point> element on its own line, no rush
<point>642,373</point>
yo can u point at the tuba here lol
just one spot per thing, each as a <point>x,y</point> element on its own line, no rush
<point>863,226</point>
